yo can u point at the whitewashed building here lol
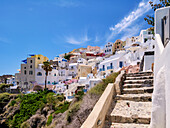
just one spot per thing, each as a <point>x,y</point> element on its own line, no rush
<point>11,80</point>
<point>73,69</point>
<point>108,48</point>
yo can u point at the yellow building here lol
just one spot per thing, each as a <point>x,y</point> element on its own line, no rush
<point>28,74</point>
<point>84,70</point>
<point>39,59</point>
<point>118,45</point>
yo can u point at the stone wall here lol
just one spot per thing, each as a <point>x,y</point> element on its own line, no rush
<point>96,119</point>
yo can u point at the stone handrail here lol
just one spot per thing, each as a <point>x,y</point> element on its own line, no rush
<point>96,118</point>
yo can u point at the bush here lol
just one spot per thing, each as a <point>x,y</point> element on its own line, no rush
<point>60,97</point>
<point>79,95</point>
<point>49,121</point>
<point>4,86</point>
<point>67,56</point>
<point>4,97</point>
<point>30,103</point>
<point>12,103</point>
<point>51,99</point>
<point>72,110</point>
<point>99,88</point>
<point>62,108</point>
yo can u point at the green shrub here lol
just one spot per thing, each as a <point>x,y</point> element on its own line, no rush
<point>12,103</point>
<point>72,110</point>
<point>49,121</point>
<point>62,108</point>
<point>67,56</point>
<point>99,88</point>
<point>51,99</point>
<point>79,95</point>
<point>30,103</point>
<point>60,97</point>
<point>4,97</point>
<point>4,86</point>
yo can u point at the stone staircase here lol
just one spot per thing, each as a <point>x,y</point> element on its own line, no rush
<point>133,107</point>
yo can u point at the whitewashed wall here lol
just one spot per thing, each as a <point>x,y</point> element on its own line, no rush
<point>148,60</point>
<point>161,95</point>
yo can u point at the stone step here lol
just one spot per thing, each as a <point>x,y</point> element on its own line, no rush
<point>129,125</point>
<point>147,97</point>
<point>138,90</point>
<point>149,72</point>
<point>139,74</point>
<point>148,81</point>
<point>137,85</point>
<point>131,112</point>
<point>139,77</point>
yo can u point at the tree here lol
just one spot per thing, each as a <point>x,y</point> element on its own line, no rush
<point>47,67</point>
<point>150,19</point>
<point>67,56</point>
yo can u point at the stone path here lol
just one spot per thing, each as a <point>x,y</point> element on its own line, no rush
<point>133,107</point>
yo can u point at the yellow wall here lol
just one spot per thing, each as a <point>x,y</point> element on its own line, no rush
<point>39,61</point>
<point>84,70</point>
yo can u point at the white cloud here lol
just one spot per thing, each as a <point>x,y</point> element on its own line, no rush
<point>60,3</point>
<point>77,41</point>
<point>127,21</point>
<point>4,40</point>
<point>67,3</point>
<point>97,39</point>
<point>141,4</point>
<point>129,32</point>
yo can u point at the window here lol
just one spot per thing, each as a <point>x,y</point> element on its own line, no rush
<point>30,61</point>
<point>153,46</point>
<point>38,58</point>
<point>103,67</point>
<point>111,65</point>
<point>39,74</point>
<point>24,67</point>
<point>48,82</point>
<point>30,72</point>
<point>25,72</point>
<point>145,40</point>
<point>54,74</point>
<point>120,64</point>
<point>30,66</point>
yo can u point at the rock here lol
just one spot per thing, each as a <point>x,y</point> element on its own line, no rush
<point>38,111</point>
<point>45,110</point>
<point>37,121</point>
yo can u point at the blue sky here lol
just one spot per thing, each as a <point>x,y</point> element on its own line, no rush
<point>53,27</point>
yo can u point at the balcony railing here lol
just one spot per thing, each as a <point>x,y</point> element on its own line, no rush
<point>109,67</point>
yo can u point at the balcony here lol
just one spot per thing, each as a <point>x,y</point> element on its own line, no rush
<point>109,67</point>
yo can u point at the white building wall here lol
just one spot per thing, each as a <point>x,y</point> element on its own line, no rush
<point>73,69</point>
<point>148,60</point>
<point>51,78</point>
<point>108,48</point>
<point>161,95</point>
